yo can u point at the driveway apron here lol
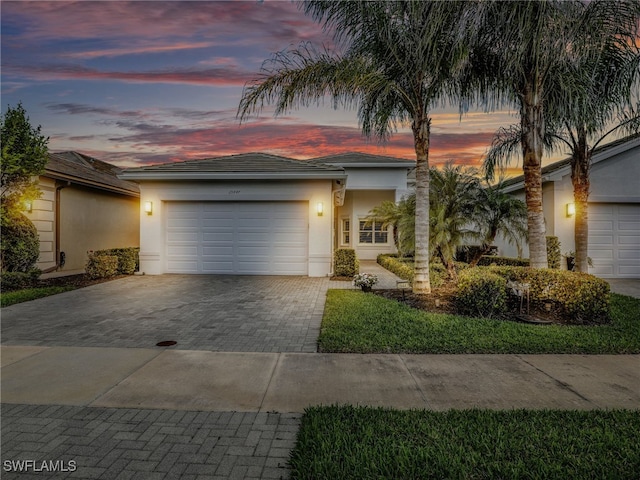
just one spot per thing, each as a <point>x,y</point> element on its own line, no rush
<point>199,312</point>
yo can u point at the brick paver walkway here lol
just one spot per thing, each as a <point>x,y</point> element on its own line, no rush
<point>109,443</point>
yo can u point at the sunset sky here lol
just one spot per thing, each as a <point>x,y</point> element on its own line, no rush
<point>134,83</point>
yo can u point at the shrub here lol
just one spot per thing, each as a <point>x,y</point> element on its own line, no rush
<point>466,253</point>
<point>487,260</point>
<point>481,294</point>
<point>128,259</point>
<point>19,280</point>
<point>101,266</point>
<point>553,252</point>
<point>394,265</point>
<point>580,298</point>
<point>345,262</point>
<point>20,247</point>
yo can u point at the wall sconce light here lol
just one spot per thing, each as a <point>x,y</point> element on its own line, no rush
<point>320,209</point>
<point>571,209</point>
<point>28,206</point>
<point>148,207</point>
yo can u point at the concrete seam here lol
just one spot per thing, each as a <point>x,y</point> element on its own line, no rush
<point>90,404</point>
<point>415,382</point>
<point>559,382</point>
<point>266,390</point>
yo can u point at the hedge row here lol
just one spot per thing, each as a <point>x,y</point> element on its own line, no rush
<point>488,260</point>
<point>579,298</point>
<point>114,261</point>
<point>19,280</point>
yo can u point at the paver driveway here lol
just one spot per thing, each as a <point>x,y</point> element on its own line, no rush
<point>200,312</point>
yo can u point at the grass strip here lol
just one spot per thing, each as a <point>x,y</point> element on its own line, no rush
<point>346,442</point>
<point>356,322</point>
<point>19,296</point>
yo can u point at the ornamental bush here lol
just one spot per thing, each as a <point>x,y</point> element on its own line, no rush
<point>345,262</point>
<point>580,298</point>
<point>128,259</point>
<point>101,266</point>
<point>19,280</point>
<point>488,260</point>
<point>20,247</point>
<point>481,293</point>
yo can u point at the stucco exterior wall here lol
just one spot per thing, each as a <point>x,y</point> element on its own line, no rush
<point>94,220</point>
<point>152,238</point>
<point>43,216</point>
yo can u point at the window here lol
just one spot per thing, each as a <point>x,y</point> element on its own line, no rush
<point>346,231</point>
<point>372,232</point>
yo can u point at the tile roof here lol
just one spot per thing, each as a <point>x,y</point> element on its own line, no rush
<point>88,171</point>
<point>241,165</point>
<point>599,154</point>
<point>358,159</point>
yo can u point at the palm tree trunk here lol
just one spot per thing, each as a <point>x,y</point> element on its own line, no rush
<point>580,163</point>
<point>532,123</point>
<point>421,130</point>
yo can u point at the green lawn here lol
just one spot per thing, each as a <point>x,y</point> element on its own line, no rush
<point>366,443</point>
<point>366,323</point>
<point>19,296</point>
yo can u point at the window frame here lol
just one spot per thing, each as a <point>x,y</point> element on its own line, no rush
<point>372,231</point>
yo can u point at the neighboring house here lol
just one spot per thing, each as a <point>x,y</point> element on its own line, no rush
<point>257,213</point>
<point>614,208</point>
<point>84,206</point>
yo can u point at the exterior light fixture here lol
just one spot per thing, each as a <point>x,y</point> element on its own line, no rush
<point>28,206</point>
<point>320,209</point>
<point>148,207</point>
<point>571,209</point>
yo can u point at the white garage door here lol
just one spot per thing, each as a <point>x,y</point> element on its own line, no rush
<point>614,240</point>
<point>247,238</point>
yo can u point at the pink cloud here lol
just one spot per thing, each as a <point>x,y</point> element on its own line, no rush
<point>208,77</point>
<point>114,52</point>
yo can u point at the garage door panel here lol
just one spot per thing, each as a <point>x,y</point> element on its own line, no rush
<point>614,240</point>
<point>239,237</point>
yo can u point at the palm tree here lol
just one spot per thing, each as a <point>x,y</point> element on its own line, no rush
<point>400,217</point>
<point>519,55</point>
<point>604,74</point>
<point>454,195</point>
<point>498,213</point>
<point>399,62</point>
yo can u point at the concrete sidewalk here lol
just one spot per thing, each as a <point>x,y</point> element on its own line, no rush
<point>290,382</point>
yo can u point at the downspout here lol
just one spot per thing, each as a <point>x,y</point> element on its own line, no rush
<point>56,221</point>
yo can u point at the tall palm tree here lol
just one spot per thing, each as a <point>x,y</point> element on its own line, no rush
<point>603,74</point>
<point>399,61</point>
<point>519,54</point>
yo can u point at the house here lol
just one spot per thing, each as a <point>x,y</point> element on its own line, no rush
<point>84,206</point>
<point>614,208</point>
<point>257,213</point>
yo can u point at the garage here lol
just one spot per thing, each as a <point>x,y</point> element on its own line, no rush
<point>614,240</point>
<point>246,238</point>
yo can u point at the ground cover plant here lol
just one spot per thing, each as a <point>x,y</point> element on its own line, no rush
<point>358,322</point>
<point>51,286</point>
<point>340,442</point>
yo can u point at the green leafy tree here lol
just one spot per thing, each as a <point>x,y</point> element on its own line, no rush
<point>24,155</point>
<point>399,61</point>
